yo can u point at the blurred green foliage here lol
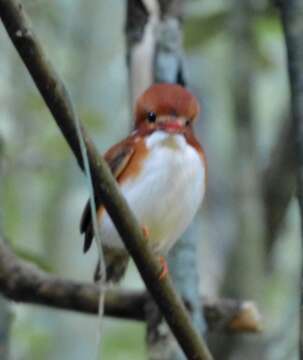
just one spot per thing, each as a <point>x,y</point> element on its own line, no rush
<point>43,191</point>
<point>126,341</point>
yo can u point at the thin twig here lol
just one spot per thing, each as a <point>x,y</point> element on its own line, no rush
<point>57,100</point>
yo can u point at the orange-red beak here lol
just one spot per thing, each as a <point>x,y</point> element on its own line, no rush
<point>172,126</point>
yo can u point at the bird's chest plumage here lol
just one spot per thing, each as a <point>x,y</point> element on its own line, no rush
<point>166,193</point>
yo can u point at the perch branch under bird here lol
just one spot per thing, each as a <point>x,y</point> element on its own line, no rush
<point>23,282</point>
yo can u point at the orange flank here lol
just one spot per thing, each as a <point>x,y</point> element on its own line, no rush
<point>136,162</point>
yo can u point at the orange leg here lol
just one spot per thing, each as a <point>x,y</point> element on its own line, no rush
<point>145,231</point>
<point>164,270</point>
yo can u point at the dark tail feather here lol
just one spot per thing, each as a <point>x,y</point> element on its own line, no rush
<point>116,263</point>
<point>88,239</point>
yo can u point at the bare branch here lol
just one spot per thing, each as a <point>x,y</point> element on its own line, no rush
<point>21,281</point>
<point>57,99</point>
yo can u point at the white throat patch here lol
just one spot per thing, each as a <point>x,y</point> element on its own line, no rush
<point>162,137</point>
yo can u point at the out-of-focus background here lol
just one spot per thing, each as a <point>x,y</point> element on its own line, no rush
<point>248,238</point>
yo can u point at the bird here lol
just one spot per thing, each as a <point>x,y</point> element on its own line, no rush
<point>161,170</point>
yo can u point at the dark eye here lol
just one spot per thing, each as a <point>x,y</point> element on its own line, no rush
<point>151,117</point>
<point>187,122</point>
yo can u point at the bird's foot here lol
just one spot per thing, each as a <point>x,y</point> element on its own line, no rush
<point>145,231</point>
<point>164,270</point>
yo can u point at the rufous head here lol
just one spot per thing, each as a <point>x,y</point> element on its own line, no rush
<point>167,107</point>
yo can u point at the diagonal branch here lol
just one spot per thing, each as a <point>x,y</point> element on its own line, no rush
<point>57,100</point>
<point>21,281</point>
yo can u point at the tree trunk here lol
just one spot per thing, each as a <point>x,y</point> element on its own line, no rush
<point>155,54</point>
<point>245,266</point>
<point>292,21</point>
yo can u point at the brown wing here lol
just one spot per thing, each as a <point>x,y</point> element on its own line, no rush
<point>117,158</point>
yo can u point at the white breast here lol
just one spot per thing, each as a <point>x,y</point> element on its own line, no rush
<point>167,193</point>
